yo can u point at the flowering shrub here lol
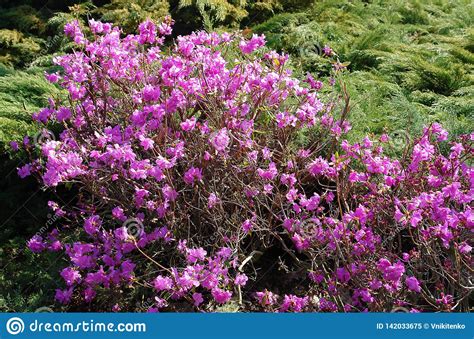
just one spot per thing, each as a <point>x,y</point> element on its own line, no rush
<point>194,189</point>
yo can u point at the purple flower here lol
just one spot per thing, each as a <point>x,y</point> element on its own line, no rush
<point>52,77</point>
<point>413,284</point>
<point>117,213</point>
<point>193,174</point>
<point>169,193</point>
<point>24,171</point>
<point>92,224</point>
<point>212,201</point>
<point>14,145</point>
<point>391,272</point>
<point>63,113</point>
<point>241,279</point>
<point>221,296</point>
<point>36,244</point>
<point>268,174</point>
<point>70,276</point>
<point>342,275</point>
<point>327,50</point>
<point>146,143</point>
<point>89,294</point>
<point>162,283</point>
<point>64,296</point>
<point>151,93</point>
<point>293,303</point>
<point>416,218</point>
<point>188,124</point>
<point>147,31</point>
<point>445,299</point>
<point>247,225</point>
<point>464,248</point>
<point>266,298</point>
<point>248,46</point>
<point>195,254</point>
<point>220,140</point>
<point>319,166</point>
<point>198,299</point>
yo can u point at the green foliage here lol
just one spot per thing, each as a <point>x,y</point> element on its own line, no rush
<point>26,281</point>
<point>23,18</point>
<point>411,62</point>
<point>213,11</point>
<point>21,94</point>
<point>16,48</point>
<point>129,14</point>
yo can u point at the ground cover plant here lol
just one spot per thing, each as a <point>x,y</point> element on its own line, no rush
<point>209,178</point>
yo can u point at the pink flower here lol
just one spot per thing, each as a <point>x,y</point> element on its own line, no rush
<point>445,299</point>
<point>198,299</point>
<point>293,303</point>
<point>73,30</point>
<point>248,46</point>
<point>24,171</point>
<point>70,276</point>
<point>266,298</point>
<point>133,149</point>
<point>342,275</point>
<point>212,201</point>
<point>464,248</point>
<point>327,50</point>
<point>64,296</point>
<point>220,140</point>
<point>92,224</point>
<point>391,272</point>
<point>52,77</point>
<point>146,143</point>
<point>151,93</point>
<point>165,26</point>
<point>195,254</point>
<point>241,279</point>
<point>300,242</point>
<point>162,283</point>
<point>36,244</point>
<point>247,225</point>
<point>221,296</point>
<point>63,113</point>
<point>416,218</point>
<point>268,174</point>
<point>14,145</point>
<point>318,167</point>
<point>413,284</point>
<point>169,193</point>
<point>89,294</point>
<point>188,124</point>
<point>147,31</point>
<point>117,212</point>
<point>193,174</point>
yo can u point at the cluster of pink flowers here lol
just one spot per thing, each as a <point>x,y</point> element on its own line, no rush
<point>193,186</point>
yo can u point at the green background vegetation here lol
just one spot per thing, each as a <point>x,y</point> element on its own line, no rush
<point>410,63</point>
